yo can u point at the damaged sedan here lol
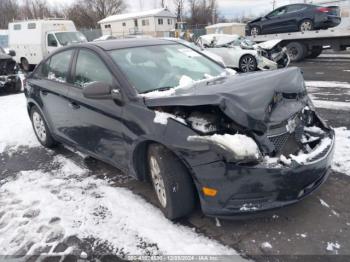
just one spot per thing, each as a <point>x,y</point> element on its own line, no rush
<point>242,54</point>
<point>165,113</point>
<point>9,78</point>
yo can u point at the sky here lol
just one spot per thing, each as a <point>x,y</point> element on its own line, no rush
<point>227,8</point>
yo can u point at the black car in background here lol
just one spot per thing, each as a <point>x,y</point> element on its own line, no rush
<point>296,17</point>
<point>163,112</point>
<point>9,78</point>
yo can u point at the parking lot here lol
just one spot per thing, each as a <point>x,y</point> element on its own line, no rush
<point>319,225</point>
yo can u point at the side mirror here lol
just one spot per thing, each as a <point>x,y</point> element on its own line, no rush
<point>12,53</point>
<point>101,90</point>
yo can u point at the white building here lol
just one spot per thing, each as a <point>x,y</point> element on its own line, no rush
<point>156,22</point>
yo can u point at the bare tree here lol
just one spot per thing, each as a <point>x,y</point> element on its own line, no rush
<point>179,5</point>
<point>86,13</point>
<point>35,9</point>
<point>203,11</point>
<point>8,12</point>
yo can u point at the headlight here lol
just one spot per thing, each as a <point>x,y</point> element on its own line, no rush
<point>234,148</point>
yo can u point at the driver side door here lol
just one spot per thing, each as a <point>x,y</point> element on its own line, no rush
<point>273,22</point>
<point>99,124</point>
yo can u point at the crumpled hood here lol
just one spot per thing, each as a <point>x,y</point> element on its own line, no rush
<point>248,98</point>
<point>268,45</point>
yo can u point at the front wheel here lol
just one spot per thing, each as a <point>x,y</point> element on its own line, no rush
<point>248,64</point>
<point>171,182</point>
<point>40,128</point>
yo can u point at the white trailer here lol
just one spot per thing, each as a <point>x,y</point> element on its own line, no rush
<point>310,44</point>
<point>32,40</point>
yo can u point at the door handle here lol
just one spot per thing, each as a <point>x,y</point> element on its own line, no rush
<point>43,92</point>
<point>74,105</point>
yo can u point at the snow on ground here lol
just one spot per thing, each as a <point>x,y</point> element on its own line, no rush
<point>16,129</point>
<point>82,204</point>
<point>334,105</point>
<point>86,206</point>
<point>341,160</point>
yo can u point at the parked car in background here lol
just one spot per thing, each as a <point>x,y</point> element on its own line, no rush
<point>163,112</point>
<point>9,78</point>
<point>32,40</point>
<point>296,17</point>
<point>244,55</point>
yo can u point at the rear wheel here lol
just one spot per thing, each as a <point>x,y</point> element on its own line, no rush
<point>40,128</point>
<point>171,182</point>
<point>296,51</point>
<point>247,64</point>
<point>254,31</point>
<point>306,25</point>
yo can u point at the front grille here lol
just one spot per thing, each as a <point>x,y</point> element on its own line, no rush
<point>279,141</point>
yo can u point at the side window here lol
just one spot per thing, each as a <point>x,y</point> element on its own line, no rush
<point>51,40</point>
<point>295,8</point>
<point>43,70</point>
<point>59,66</point>
<point>278,12</point>
<point>90,68</point>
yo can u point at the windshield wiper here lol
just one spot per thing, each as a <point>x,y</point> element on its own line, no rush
<point>165,88</point>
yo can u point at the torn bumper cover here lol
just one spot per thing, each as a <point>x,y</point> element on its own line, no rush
<point>249,189</point>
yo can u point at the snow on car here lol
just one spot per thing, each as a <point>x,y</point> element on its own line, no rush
<point>240,53</point>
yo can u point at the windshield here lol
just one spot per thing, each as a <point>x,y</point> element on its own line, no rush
<point>66,38</point>
<point>160,67</point>
<point>244,43</point>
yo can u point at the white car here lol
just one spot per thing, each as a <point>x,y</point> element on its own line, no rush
<point>244,55</point>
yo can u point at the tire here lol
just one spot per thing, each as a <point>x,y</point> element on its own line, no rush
<point>255,30</point>
<point>41,130</point>
<point>248,63</point>
<point>306,25</point>
<point>18,85</point>
<point>171,181</point>
<point>25,66</point>
<point>315,52</point>
<point>296,51</point>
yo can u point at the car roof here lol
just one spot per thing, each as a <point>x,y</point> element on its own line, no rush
<point>127,43</point>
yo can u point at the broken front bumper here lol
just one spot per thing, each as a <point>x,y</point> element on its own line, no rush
<point>250,189</point>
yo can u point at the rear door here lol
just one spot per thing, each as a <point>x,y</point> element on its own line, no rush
<point>53,82</point>
<point>294,15</point>
<point>98,124</point>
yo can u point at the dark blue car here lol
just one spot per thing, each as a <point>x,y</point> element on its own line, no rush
<point>163,112</point>
<point>296,17</point>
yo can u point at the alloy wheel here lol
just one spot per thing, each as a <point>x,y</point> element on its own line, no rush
<point>39,126</point>
<point>157,181</point>
<point>306,26</point>
<point>254,31</point>
<point>248,64</point>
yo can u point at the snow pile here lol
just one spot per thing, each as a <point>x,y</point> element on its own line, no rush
<point>241,146</point>
<point>303,158</point>
<point>162,118</point>
<point>16,129</point>
<point>332,246</point>
<point>341,160</point>
<point>333,84</point>
<point>85,206</point>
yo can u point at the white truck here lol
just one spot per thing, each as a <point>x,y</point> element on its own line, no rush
<point>32,40</point>
<point>310,44</point>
